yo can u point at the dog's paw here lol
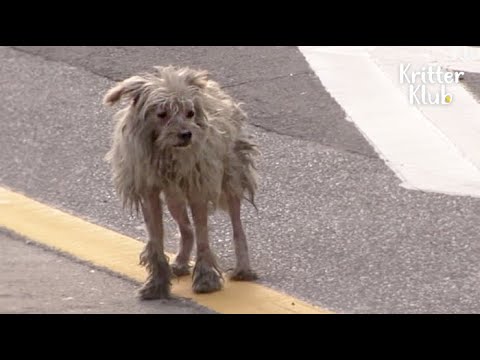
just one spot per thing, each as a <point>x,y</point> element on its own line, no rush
<point>180,269</point>
<point>243,275</point>
<point>154,289</point>
<point>206,279</point>
<point>207,283</point>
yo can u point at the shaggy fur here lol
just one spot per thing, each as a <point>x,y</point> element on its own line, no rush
<point>182,137</point>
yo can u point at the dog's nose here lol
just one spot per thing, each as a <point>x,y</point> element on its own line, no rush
<point>185,135</point>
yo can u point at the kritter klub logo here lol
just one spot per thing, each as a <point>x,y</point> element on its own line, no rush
<point>428,85</point>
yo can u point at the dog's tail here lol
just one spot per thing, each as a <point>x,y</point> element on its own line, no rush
<point>251,200</point>
<point>246,151</point>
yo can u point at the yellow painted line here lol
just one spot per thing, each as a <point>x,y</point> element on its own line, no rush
<point>109,249</point>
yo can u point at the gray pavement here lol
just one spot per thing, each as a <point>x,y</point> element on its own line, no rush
<point>279,90</point>
<point>34,280</point>
<point>333,227</point>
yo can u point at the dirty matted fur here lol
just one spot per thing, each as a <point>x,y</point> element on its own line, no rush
<point>181,136</point>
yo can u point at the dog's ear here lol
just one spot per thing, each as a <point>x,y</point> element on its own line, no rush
<point>198,78</point>
<point>201,117</point>
<point>130,87</point>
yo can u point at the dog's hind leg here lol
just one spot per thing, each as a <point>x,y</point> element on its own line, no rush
<point>206,274</point>
<point>153,257</point>
<point>178,210</point>
<point>242,271</point>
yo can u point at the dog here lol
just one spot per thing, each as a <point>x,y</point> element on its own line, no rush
<point>181,140</point>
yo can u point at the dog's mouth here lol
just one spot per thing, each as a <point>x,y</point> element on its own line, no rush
<point>183,144</point>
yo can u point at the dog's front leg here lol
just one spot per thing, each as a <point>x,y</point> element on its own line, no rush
<point>153,257</point>
<point>206,275</point>
<point>178,209</point>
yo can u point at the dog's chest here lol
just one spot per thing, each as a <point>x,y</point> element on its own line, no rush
<point>192,175</point>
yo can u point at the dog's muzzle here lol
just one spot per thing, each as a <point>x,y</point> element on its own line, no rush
<point>185,137</point>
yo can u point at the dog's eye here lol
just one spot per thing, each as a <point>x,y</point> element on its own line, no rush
<point>190,114</point>
<point>162,115</point>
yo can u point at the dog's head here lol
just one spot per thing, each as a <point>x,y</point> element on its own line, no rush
<point>166,103</point>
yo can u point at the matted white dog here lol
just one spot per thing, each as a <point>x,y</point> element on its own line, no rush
<point>182,137</point>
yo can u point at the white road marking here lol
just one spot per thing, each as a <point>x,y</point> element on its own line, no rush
<point>430,147</point>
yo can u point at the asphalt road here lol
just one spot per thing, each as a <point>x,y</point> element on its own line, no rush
<point>333,227</point>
